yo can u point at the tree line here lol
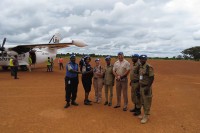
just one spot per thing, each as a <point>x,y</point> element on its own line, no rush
<point>192,53</point>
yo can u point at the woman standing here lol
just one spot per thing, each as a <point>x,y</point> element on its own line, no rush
<point>87,74</point>
<point>98,80</point>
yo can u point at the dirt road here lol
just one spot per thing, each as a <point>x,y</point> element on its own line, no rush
<point>34,103</point>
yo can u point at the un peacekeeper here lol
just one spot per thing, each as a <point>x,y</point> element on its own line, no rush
<point>109,79</point>
<point>71,81</point>
<point>121,69</point>
<point>98,72</point>
<point>146,78</point>
<point>134,83</point>
<point>87,74</point>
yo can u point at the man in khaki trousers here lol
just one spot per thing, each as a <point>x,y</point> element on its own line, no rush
<point>109,79</point>
<point>121,69</point>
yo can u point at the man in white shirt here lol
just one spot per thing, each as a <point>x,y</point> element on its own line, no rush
<point>121,69</point>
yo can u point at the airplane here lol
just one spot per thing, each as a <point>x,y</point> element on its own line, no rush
<point>38,52</point>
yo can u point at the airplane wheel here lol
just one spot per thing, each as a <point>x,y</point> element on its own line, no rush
<point>4,67</point>
<point>23,68</point>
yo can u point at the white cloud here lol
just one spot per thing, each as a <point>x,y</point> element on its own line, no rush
<point>153,27</point>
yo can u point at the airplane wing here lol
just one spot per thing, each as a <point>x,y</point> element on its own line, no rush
<point>26,48</point>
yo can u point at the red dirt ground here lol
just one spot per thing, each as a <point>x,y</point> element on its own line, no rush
<point>34,103</point>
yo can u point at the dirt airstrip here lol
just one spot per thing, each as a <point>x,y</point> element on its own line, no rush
<point>34,103</point>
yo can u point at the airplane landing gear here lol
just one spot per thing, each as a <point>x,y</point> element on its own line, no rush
<point>23,67</point>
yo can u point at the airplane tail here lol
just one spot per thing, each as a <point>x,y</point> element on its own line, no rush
<point>55,38</point>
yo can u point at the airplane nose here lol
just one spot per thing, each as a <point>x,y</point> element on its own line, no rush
<point>79,43</point>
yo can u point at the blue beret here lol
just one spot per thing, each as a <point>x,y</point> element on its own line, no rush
<point>135,55</point>
<point>107,58</point>
<point>87,56</point>
<point>72,56</point>
<point>97,59</point>
<point>143,56</point>
<point>120,53</point>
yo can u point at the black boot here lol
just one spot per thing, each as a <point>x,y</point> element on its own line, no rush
<point>87,103</point>
<point>74,103</point>
<point>134,109</point>
<point>137,112</point>
<point>67,105</point>
<point>106,103</point>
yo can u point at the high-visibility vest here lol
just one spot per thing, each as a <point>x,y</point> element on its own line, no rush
<point>60,60</point>
<point>11,62</point>
<point>29,60</point>
<point>48,62</point>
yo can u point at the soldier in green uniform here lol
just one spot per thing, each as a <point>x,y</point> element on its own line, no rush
<point>134,83</point>
<point>146,78</point>
<point>109,79</point>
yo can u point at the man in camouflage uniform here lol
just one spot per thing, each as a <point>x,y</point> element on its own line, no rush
<point>109,79</point>
<point>146,78</point>
<point>134,83</point>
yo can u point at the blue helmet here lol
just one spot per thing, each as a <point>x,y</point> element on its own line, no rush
<point>87,56</point>
<point>135,55</point>
<point>120,53</point>
<point>97,59</point>
<point>143,56</point>
<point>72,56</point>
<point>107,58</point>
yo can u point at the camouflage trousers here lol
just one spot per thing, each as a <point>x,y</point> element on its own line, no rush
<point>146,100</point>
<point>135,94</point>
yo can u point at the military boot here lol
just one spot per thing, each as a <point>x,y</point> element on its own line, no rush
<point>86,102</point>
<point>134,109</point>
<point>74,103</point>
<point>137,111</point>
<point>144,119</point>
<point>106,103</point>
<point>67,105</point>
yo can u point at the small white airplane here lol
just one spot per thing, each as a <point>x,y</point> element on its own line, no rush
<point>38,52</point>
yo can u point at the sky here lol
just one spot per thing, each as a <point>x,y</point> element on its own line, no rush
<point>157,28</point>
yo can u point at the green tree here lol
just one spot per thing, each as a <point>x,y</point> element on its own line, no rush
<point>193,52</point>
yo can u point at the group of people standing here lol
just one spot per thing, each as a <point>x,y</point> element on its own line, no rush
<point>141,80</point>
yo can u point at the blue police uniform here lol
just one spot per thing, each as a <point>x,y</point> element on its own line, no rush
<point>87,78</point>
<point>71,82</point>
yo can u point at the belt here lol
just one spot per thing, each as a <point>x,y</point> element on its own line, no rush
<point>97,78</point>
<point>134,81</point>
<point>124,77</point>
<point>70,77</point>
<point>142,85</point>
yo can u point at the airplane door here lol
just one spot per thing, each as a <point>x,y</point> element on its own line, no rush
<point>33,56</point>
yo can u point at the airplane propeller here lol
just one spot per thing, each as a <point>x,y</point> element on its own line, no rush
<point>2,48</point>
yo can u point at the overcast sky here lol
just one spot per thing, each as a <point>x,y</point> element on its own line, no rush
<point>153,27</point>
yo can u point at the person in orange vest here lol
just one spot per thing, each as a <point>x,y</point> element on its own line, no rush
<point>60,62</point>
